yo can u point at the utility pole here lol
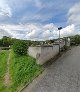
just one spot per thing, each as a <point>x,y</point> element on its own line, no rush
<point>59,38</point>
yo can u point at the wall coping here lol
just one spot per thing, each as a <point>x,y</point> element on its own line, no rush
<point>44,45</point>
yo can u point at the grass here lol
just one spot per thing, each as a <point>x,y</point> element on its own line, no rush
<point>23,70</point>
<point>3,63</point>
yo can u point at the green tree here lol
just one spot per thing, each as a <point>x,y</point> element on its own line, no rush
<point>6,41</point>
<point>75,39</point>
<point>1,43</point>
<point>20,47</point>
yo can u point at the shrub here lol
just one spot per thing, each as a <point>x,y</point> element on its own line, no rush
<point>20,47</point>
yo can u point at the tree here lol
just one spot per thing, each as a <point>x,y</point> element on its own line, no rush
<point>1,43</point>
<point>75,39</point>
<point>6,41</point>
<point>20,47</point>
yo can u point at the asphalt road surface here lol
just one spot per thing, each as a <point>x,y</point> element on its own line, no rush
<point>63,75</point>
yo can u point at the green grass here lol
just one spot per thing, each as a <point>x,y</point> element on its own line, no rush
<point>3,63</point>
<point>23,70</point>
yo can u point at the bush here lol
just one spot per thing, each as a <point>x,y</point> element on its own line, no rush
<point>20,47</point>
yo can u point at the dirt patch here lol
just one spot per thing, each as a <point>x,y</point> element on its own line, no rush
<point>7,77</point>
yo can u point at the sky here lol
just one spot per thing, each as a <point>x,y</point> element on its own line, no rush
<point>39,19</point>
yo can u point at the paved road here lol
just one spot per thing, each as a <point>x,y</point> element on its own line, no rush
<point>63,75</point>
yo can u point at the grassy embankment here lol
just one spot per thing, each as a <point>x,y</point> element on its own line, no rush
<point>3,63</point>
<point>23,69</point>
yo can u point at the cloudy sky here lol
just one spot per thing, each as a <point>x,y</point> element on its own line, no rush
<point>39,19</point>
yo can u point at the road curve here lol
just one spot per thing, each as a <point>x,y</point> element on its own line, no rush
<point>63,75</point>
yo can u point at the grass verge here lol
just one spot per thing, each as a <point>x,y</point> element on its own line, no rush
<point>3,63</point>
<point>23,70</point>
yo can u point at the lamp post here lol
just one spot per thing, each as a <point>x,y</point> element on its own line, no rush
<point>59,38</point>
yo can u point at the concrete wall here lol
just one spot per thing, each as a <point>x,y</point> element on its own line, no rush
<point>43,53</point>
<point>62,43</point>
<point>68,42</point>
<point>32,51</point>
<point>47,53</point>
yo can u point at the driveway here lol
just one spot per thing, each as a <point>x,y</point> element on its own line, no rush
<point>63,75</point>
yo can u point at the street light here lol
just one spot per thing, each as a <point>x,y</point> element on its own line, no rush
<point>59,38</point>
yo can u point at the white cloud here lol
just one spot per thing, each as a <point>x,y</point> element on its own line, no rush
<point>68,31</point>
<point>50,27</point>
<point>74,14</point>
<point>5,10</point>
<point>37,32</point>
<point>3,33</point>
